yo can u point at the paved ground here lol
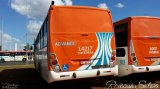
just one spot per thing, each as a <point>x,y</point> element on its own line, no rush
<point>15,63</point>
<point>28,78</point>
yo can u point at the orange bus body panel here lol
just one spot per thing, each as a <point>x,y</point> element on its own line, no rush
<point>76,38</point>
<point>146,39</point>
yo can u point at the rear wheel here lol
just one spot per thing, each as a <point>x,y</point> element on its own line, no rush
<point>2,60</point>
<point>24,59</point>
<point>39,68</point>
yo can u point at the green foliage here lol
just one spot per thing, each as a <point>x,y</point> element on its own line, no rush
<point>28,47</point>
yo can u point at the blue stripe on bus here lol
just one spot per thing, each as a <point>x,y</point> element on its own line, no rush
<point>104,51</point>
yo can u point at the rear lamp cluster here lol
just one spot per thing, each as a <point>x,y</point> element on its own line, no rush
<point>113,57</point>
<point>54,62</point>
<point>134,59</point>
<point>133,56</point>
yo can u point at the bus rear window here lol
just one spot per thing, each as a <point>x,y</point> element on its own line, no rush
<point>145,27</point>
<point>83,20</point>
<point>120,52</point>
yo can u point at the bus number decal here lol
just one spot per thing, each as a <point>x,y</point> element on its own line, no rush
<point>85,50</point>
<point>153,50</point>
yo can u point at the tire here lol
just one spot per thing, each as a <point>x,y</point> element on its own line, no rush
<point>24,59</point>
<point>39,69</point>
<point>2,60</point>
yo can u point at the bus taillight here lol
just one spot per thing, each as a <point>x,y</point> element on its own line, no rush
<point>54,62</point>
<point>134,59</point>
<point>53,58</point>
<point>113,57</point>
<point>133,54</point>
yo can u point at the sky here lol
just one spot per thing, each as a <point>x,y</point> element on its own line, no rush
<point>20,20</point>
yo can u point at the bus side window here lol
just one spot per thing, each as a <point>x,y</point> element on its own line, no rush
<point>120,52</point>
<point>38,42</point>
<point>45,32</point>
<point>41,37</point>
<point>121,34</point>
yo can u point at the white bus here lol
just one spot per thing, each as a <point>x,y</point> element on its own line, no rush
<point>15,56</point>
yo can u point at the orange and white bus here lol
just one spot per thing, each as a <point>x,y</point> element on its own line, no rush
<point>138,44</point>
<point>75,42</point>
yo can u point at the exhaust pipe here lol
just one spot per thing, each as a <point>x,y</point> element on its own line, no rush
<point>74,75</point>
<point>98,73</point>
<point>147,68</point>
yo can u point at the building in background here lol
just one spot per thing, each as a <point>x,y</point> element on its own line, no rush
<point>0,48</point>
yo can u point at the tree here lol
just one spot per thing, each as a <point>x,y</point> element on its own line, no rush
<point>28,47</point>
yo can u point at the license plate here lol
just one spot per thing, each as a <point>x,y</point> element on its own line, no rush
<point>99,66</point>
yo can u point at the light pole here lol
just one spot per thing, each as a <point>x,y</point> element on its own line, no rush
<point>10,44</point>
<point>1,45</point>
<point>26,50</point>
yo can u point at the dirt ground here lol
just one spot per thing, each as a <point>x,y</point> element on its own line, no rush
<point>28,78</point>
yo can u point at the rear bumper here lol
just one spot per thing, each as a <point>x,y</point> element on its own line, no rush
<point>54,76</point>
<point>141,69</point>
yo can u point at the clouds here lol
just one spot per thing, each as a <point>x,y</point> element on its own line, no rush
<point>68,2</point>
<point>31,8</point>
<point>35,11</point>
<point>8,41</point>
<point>33,26</point>
<point>7,38</point>
<point>119,5</point>
<point>102,5</point>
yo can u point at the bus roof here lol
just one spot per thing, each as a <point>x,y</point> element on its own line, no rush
<point>134,17</point>
<point>79,7</point>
